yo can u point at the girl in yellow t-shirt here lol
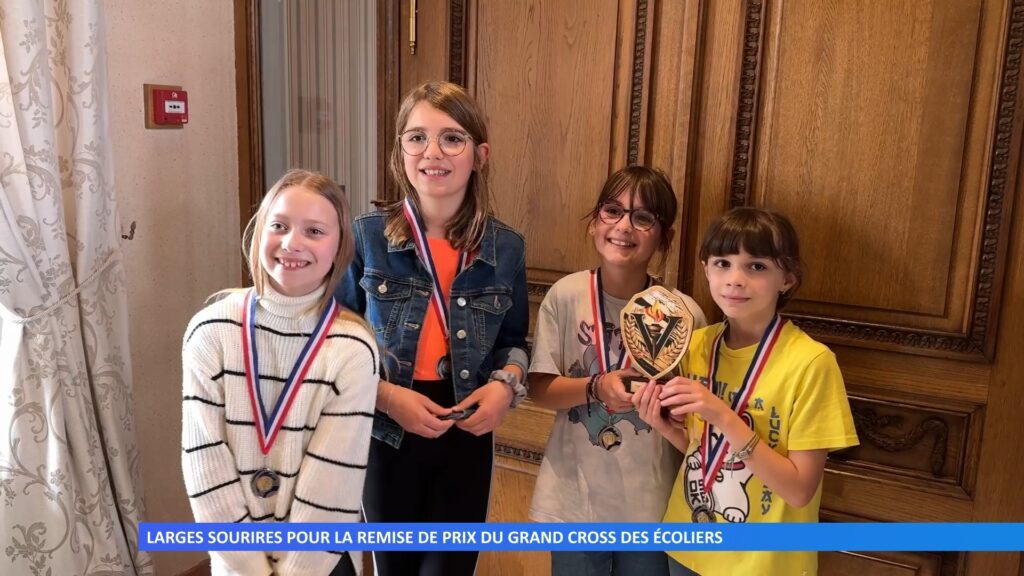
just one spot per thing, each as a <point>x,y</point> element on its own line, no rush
<point>758,403</point>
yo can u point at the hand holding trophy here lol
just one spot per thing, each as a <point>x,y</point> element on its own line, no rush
<point>656,329</point>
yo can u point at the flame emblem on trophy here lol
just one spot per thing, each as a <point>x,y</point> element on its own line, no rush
<point>656,328</point>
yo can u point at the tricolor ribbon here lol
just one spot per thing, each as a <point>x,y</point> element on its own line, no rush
<point>268,425</point>
<point>419,235</point>
<point>713,451</point>
<point>601,343</point>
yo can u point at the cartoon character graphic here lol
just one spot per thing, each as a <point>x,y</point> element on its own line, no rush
<point>603,428</point>
<point>728,496</point>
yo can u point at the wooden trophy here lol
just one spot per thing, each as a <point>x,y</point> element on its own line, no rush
<point>656,328</point>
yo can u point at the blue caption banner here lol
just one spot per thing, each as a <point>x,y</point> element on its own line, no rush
<point>864,536</point>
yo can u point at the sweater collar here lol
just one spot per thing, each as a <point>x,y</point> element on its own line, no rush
<point>294,307</point>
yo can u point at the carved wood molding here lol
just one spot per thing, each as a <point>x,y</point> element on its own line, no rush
<point>518,453</point>
<point>869,424</point>
<point>637,87</point>
<point>850,331</point>
<point>977,342</point>
<point>457,42</point>
<point>537,289</point>
<point>746,107</point>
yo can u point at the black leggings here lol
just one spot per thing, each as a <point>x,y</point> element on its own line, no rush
<point>447,479</point>
<point>344,567</point>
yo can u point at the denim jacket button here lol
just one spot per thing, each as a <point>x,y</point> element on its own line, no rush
<point>461,334</point>
<point>464,374</point>
<point>461,302</point>
<point>383,288</point>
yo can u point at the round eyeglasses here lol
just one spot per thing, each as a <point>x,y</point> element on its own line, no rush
<point>451,142</point>
<point>640,218</point>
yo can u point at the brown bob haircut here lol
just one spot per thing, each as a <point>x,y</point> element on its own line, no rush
<point>761,233</point>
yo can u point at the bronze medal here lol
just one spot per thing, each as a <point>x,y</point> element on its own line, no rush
<point>703,515</point>
<point>444,367</point>
<point>265,483</point>
<point>610,438</point>
<point>656,329</point>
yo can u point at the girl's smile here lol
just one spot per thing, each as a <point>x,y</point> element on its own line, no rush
<point>299,241</point>
<point>438,172</point>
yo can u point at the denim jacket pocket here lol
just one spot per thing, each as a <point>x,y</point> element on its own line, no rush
<point>386,299</point>
<point>489,310</point>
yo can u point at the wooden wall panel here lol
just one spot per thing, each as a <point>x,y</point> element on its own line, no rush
<point>510,502</point>
<point>880,564</point>
<point>537,119</point>
<point>931,449</point>
<point>898,75</point>
<point>902,234</point>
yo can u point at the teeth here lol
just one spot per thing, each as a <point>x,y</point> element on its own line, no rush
<point>430,172</point>
<point>615,242</point>
<point>291,264</point>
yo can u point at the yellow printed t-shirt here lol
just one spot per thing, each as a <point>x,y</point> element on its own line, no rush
<point>799,403</point>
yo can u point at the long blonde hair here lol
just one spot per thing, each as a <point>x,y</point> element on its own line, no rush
<point>466,228</point>
<point>325,188</point>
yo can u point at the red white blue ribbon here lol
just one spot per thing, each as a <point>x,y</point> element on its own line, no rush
<point>601,344</point>
<point>713,448</point>
<point>268,425</point>
<point>419,236</point>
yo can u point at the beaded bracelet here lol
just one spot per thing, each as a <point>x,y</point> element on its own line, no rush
<point>592,390</point>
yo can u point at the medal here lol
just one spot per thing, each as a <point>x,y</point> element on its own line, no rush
<point>444,367</point>
<point>265,483</point>
<point>701,503</point>
<point>610,437</point>
<point>702,515</point>
<point>437,301</point>
<point>713,446</point>
<point>268,425</point>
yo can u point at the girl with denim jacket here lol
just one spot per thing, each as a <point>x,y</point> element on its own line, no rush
<point>603,465</point>
<point>443,284</point>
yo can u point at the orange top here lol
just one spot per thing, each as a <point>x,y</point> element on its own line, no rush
<point>433,345</point>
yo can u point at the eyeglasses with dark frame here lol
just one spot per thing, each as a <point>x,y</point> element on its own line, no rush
<point>451,142</point>
<point>640,218</point>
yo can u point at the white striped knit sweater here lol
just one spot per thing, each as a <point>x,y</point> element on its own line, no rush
<point>321,451</point>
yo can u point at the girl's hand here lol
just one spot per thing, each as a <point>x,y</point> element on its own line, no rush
<point>415,412</point>
<point>612,391</point>
<point>683,396</point>
<point>493,400</point>
<point>649,408</point>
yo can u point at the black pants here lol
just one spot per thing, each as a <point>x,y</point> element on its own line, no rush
<point>344,566</point>
<point>447,479</point>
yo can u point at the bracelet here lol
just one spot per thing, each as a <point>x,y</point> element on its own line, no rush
<point>745,452</point>
<point>592,390</point>
<point>387,400</point>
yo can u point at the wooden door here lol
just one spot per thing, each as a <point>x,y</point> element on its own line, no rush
<point>889,131</point>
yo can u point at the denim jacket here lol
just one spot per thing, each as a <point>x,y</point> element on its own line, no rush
<point>391,288</point>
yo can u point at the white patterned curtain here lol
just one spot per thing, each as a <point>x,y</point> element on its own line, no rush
<point>70,490</point>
